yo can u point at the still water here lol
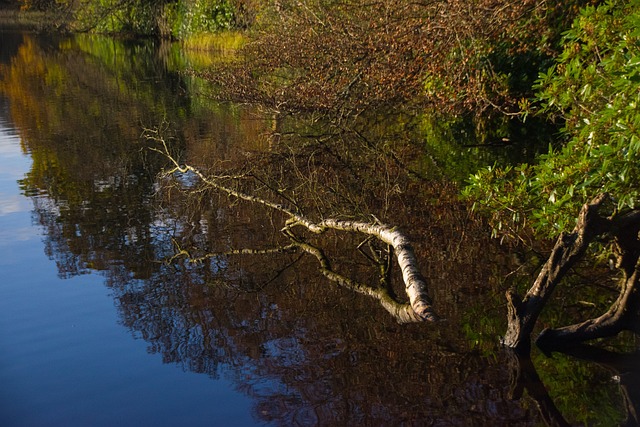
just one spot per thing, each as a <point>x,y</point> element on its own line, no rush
<point>102,324</point>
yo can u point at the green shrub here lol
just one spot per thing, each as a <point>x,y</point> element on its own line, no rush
<point>199,16</point>
<point>594,87</point>
<point>178,19</point>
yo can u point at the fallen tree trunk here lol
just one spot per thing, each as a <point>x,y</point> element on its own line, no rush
<point>416,287</point>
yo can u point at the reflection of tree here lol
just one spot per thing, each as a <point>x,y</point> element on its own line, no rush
<point>524,376</point>
<point>307,351</point>
<point>92,180</point>
<point>312,354</point>
<point>336,358</point>
<point>623,368</point>
<point>92,188</point>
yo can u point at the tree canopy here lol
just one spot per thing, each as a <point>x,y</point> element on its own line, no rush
<point>346,56</point>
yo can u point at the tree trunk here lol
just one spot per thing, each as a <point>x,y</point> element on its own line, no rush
<point>523,313</point>
<point>624,313</point>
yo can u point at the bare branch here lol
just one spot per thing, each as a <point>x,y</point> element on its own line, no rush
<point>415,284</point>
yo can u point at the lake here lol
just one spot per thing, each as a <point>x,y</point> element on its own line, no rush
<point>125,302</point>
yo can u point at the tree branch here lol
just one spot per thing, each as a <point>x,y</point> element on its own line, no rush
<point>569,248</point>
<point>415,284</point>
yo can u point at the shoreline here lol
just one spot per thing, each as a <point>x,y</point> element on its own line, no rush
<point>14,19</point>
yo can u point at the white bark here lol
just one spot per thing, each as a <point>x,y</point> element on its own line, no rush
<point>415,284</point>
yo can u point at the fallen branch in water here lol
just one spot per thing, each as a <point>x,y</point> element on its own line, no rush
<point>416,289</point>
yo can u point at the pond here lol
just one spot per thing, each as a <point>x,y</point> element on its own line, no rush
<point>104,321</point>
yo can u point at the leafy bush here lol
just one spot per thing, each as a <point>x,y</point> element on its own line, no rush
<point>178,18</point>
<point>188,18</point>
<point>595,89</point>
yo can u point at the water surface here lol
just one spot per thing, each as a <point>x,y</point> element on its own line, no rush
<point>97,327</point>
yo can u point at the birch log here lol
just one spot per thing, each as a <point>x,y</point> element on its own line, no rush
<point>415,284</point>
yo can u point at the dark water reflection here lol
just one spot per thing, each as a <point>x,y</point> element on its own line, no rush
<point>305,351</point>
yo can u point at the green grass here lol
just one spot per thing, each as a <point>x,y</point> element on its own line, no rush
<point>220,42</point>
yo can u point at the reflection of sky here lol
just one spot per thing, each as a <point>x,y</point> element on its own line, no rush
<point>13,163</point>
<point>14,224</point>
<point>64,358</point>
<point>11,203</point>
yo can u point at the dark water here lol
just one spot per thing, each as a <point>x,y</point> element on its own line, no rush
<point>97,327</point>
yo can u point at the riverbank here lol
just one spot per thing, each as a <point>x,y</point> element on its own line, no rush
<point>12,18</point>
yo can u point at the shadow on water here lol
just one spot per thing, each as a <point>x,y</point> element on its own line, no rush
<point>307,351</point>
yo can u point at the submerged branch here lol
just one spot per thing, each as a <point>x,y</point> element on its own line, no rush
<point>403,313</point>
<point>415,284</point>
<point>183,253</point>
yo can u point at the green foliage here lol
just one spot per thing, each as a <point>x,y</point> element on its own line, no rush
<point>496,58</point>
<point>135,17</point>
<point>178,19</point>
<point>188,18</point>
<point>595,89</point>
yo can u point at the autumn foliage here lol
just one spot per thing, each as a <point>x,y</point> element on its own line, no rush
<point>347,56</point>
